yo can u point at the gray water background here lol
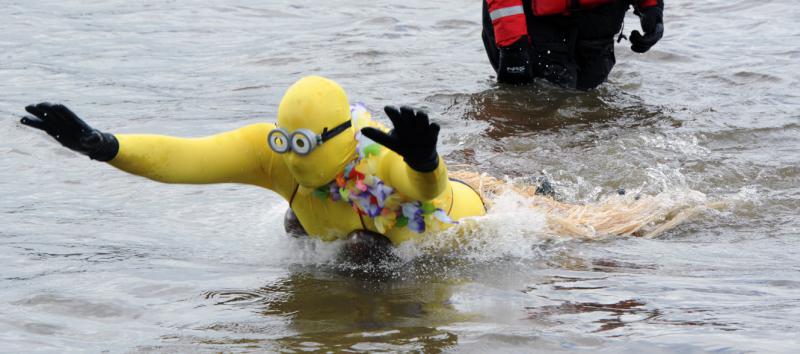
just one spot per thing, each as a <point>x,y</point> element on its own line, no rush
<point>93,259</point>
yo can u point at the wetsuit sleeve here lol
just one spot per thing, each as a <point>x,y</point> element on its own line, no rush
<point>508,21</point>
<point>238,156</point>
<point>414,184</point>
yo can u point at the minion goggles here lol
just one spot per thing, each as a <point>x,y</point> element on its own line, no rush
<point>302,141</point>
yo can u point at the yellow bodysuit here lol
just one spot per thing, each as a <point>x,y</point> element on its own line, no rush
<point>316,185</point>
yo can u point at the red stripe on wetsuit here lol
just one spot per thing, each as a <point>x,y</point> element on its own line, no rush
<point>508,17</point>
<point>559,7</point>
<point>648,3</point>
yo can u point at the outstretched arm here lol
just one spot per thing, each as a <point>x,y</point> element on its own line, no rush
<point>414,166</point>
<point>239,156</point>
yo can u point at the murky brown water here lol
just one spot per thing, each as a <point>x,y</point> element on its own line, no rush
<point>93,259</point>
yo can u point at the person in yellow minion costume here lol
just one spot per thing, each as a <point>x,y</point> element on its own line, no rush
<point>343,174</point>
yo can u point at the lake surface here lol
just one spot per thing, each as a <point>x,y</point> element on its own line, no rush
<point>97,260</point>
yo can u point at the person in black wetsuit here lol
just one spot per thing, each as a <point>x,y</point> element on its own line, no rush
<point>568,42</point>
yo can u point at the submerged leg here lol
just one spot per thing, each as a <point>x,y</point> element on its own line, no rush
<point>292,225</point>
<point>366,247</point>
<point>544,188</point>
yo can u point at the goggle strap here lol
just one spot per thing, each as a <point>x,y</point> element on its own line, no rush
<point>329,134</point>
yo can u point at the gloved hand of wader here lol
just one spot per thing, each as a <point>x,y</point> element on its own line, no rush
<point>71,131</point>
<point>413,137</point>
<point>652,20</point>
<point>514,64</point>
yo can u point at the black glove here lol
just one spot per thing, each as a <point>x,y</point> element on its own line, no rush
<point>71,131</point>
<point>515,63</point>
<point>652,19</point>
<point>413,137</point>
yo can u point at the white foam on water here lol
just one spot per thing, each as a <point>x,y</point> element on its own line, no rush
<point>510,228</point>
<point>685,145</point>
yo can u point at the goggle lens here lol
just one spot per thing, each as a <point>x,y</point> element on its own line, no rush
<point>303,142</point>
<point>278,141</point>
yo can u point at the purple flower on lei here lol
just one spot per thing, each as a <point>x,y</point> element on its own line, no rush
<point>373,210</point>
<point>334,189</point>
<point>381,192</point>
<point>413,212</point>
<point>362,201</point>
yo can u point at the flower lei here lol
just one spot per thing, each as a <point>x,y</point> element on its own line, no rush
<point>359,185</point>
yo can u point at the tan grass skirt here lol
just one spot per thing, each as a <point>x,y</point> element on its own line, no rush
<point>615,215</point>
